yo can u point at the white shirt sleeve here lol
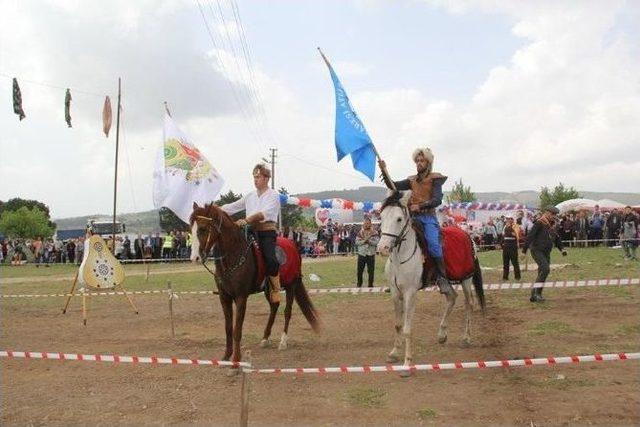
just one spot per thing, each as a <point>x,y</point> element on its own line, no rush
<point>234,207</point>
<point>270,206</point>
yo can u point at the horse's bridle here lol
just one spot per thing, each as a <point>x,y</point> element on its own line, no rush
<point>218,227</point>
<point>241,260</point>
<point>402,236</point>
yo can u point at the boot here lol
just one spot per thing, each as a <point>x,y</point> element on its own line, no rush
<point>424,278</point>
<point>274,289</point>
<point>442,281</point>
<point>534,295</point>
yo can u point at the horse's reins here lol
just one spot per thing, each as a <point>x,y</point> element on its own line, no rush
<point>241,259</point>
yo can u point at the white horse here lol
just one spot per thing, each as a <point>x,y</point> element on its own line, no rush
<point>404,271</point>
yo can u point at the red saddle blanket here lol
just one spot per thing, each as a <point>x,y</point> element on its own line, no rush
<point>288,257</point>
<point>458,253</point>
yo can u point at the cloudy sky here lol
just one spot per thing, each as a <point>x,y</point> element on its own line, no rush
<point>509,95</point>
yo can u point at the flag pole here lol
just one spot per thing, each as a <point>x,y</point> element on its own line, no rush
<point>384,172</point>
<point>115,175</point>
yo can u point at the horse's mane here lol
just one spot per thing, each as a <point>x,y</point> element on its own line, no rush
<point>394,199</point>
<point>231,235</point>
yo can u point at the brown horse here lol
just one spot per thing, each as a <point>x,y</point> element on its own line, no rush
<point>238,274</point>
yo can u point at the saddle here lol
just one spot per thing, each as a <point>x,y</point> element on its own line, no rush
<point>288,258</point>
<point>457,250</point>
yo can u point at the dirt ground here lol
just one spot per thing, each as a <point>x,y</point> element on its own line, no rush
<point>358,330</point>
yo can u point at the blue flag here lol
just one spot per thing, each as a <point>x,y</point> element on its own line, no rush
<point>351,135</point>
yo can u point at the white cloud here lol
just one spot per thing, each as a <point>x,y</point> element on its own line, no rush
<point>565,107</point>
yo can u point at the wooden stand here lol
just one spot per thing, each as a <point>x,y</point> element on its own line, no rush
<point>173,330</point>
<point>85,301</point>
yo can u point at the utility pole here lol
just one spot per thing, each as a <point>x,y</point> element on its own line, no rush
<point>274,154</point>
<point>115,175</point>
<point>272,163</point>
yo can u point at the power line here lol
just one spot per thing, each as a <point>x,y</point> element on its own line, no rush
<point>55,86</point>
<point>227,79</point>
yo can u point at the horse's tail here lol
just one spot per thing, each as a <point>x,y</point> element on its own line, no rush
<point>305,304</point>
<point>477,283</point>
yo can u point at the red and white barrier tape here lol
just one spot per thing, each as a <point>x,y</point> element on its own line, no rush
<point>449,366</point>
<point>114,358</point>
<point>153,360</point>
<point>374,290</point>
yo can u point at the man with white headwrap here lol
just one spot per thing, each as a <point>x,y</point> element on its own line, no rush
<point>426,196</point>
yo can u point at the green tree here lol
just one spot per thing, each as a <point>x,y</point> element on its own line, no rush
<point>559,194</point>
<point>291,215</point>
<point>17,203</point>
<point>229,197</point>
<point>25,223</point>
<point>170,221</point>
<point>460,194</point>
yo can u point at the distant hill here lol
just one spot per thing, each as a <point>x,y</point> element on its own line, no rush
<point>149,221</point>
<point>530,198</point>
<point>138,222</point>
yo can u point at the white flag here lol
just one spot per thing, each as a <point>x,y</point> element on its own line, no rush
<point>182,175</point>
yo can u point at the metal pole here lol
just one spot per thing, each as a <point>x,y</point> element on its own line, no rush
<point>115,176</point>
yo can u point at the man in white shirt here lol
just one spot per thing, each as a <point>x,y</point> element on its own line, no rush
<point>262,209</point>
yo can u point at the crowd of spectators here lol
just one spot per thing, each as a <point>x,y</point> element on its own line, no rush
<point>176,244</point>
<point>581,228</point>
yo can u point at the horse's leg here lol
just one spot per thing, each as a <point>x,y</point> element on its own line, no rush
<point>227,309</point>
<point>409,305</point>
<point>442,330</point>
<point>468,308</point>
<point>409,310</point>
<point>393,356</point>
<point>287,317</point>
<point>241,307</point>
<point>272,317</point>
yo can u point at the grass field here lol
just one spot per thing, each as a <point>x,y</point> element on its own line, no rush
<point>581,263</point>
<point>358,329</point>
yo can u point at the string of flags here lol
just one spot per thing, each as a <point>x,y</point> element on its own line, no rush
<point>106,109</point>
<point>304,202</point>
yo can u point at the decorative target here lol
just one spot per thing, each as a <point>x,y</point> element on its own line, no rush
<point>100,269</point>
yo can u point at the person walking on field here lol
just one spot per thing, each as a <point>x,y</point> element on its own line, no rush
<point>366,243</point>
<point>541,238</point>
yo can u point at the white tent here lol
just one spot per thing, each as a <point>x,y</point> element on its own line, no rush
<point>588,204</point>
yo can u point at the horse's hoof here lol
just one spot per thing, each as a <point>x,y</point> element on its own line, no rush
<point>265,343</point>
<point>283,342</point>
<point>233,372</point>
<point>405,374</point>
<point>442,339</point>
<point>466,342</point>
<point>392,358</point>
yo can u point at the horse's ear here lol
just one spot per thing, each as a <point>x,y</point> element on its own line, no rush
<point>195,206</point>
<point>405,196</point>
